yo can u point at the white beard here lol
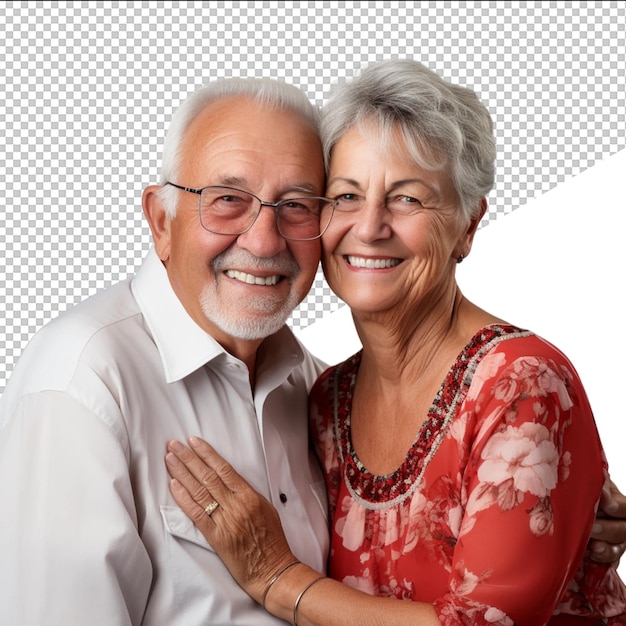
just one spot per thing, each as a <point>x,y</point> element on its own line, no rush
<point>255,318</point>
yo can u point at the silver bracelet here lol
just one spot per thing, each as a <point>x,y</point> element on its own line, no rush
<point>276,577</point>
<point>297,602</point>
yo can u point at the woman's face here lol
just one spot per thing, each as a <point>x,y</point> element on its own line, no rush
<point>395,237</point>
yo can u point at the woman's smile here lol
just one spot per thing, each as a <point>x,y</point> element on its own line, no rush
<point>371,263</point>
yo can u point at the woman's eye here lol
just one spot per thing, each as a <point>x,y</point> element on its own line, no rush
<point>347,202</point>
<point>404,204</point>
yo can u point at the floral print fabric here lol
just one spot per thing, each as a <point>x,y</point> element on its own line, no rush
<point>489,515</point>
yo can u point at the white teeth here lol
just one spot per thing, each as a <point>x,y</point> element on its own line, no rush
<point>251,279</point>
<point>357,261</point>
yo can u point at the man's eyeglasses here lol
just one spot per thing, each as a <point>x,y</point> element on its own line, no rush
<point>228,211</point>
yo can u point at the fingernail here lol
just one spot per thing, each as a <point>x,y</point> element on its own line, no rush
<point>171,459</point>
<point>611,507</point>
<point>177,446</point>
<point>597,528</point>
<point>598,548</point>
<point>194,442</point>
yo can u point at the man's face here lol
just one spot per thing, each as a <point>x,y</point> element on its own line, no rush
<point>241,287</point>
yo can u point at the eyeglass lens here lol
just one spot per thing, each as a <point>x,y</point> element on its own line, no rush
<point>227,211</point>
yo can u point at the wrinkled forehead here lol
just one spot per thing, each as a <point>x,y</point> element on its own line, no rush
<point>246,115</point>
<point>241,137</point>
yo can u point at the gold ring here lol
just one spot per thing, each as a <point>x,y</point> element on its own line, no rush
<point>209,508</point>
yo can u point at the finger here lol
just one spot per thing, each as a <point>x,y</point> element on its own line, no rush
<point>605,495</point>
<point>197,492</point>
<point>196,512</point>
<point>603,552</point>
<point>612,501</point>
<point>220,466</point>
<point>614,489</point>
<point>609,530</point>
<point>617,504</point>
<point>196,467</point>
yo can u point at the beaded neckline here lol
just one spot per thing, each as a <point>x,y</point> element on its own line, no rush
<point>374,491</point>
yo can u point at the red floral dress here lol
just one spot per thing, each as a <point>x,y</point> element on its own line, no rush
<point>489,516</point>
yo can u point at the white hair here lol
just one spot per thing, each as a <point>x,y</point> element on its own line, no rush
<point>443,124</point>
<point>267,92</point>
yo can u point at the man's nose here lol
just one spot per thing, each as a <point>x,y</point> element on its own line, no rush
<point>263,238</point>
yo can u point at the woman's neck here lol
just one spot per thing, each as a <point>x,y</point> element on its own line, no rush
<point>408,346</point>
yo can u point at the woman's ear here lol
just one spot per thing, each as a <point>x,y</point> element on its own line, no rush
<point>158,220</point>
<point>465,245</point>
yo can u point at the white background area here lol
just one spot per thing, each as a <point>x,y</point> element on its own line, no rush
<point>557,267</point>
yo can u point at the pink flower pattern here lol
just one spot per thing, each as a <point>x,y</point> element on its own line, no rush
<point>488,517</point>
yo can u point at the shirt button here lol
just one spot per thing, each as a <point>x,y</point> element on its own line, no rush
<point>283,498</point>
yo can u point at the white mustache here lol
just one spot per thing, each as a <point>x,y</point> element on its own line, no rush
<point>237,259</point>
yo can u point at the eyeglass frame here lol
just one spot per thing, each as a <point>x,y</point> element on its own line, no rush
<point>275,205</point>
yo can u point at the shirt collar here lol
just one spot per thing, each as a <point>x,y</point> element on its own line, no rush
<point>184,346</point>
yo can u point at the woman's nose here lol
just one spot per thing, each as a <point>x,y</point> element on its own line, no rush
<point>372,221</point>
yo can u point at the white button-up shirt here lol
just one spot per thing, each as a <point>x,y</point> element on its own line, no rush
<point>89,533</point>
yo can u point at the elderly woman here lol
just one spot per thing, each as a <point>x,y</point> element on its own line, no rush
<point>462,460</point>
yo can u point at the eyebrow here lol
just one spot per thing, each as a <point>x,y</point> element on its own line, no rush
<point>397,184</point>
<point>341,179</point>
<point>433,188</point>
<point>232,181</point>
<point>242,183</point>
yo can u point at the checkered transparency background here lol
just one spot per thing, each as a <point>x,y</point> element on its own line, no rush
<point>87,90</point>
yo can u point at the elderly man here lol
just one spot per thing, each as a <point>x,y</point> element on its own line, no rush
<point>195,343</point>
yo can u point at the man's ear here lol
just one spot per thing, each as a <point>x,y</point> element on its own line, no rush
<point>468,239</point>
<point>158,220</point>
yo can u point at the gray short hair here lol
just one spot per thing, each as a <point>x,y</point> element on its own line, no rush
<point>443,124</point>
<point>268,92</point>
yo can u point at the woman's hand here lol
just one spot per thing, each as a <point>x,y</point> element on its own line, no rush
<point>244,530</point>
<point>608,537</point>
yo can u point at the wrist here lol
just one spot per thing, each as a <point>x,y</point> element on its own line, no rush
<point>296,604</point>
<point>274,580</point>
<point>289,588</point>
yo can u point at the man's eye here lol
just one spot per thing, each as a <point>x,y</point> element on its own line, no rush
<point>295,205</point>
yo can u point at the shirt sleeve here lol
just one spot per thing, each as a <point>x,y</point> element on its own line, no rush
<point>532,484</point>
<point>71,551</point>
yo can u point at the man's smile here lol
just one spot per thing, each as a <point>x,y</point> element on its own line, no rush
<point>251,279</point>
